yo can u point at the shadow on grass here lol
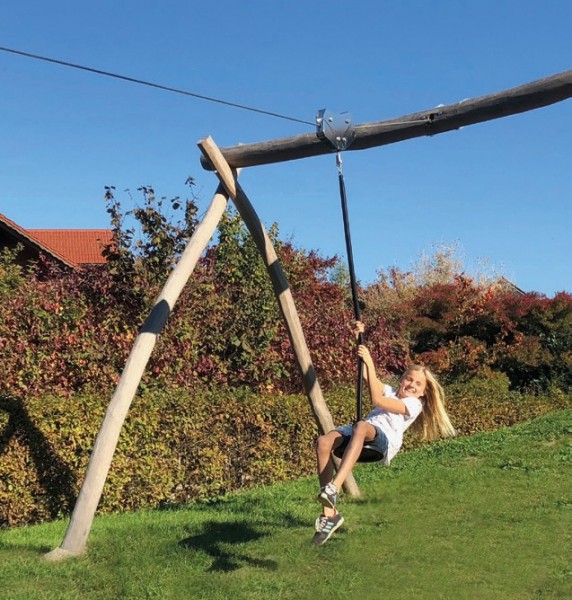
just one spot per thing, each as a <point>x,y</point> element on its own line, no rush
<point>222,541</point>
<point>55,478</point>
<point>25,547</point>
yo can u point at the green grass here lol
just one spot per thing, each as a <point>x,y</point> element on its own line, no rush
<point>486,517</point>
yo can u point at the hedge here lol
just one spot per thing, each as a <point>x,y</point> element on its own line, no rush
<point>178,446</point>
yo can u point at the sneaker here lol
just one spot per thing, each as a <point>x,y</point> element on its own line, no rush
<point>329,496</point>
<point>325,527</point>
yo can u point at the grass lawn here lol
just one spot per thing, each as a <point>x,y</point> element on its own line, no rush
<point>486,517</point>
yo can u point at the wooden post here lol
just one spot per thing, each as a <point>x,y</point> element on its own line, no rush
<point>281,289</point>
<point>536,94</point>
<point>82,518</point>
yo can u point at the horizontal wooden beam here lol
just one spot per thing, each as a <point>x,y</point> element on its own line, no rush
<point>440,119</point>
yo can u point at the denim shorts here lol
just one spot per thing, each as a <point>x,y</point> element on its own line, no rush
<point>380,442</point>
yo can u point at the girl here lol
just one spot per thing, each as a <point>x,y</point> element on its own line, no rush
<point>419,395</point>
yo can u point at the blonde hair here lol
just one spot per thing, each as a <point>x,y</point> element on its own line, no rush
<point>433,422</point>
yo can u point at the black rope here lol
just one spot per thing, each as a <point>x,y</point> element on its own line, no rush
<point>154,85</point>
<point>355,299</point>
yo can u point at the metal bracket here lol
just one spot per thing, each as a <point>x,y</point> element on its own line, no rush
<point>337,129</point>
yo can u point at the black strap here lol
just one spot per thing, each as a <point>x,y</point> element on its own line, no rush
<point>349,252</point>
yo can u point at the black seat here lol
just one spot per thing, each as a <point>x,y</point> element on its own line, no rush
<point>369,453</point>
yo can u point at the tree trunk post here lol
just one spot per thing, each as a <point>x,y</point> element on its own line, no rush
<point>281,289</point>
<point>75,539</point>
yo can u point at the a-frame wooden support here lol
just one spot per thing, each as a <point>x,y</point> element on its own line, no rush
<point>430,122</point>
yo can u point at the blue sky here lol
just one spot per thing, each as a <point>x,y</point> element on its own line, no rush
<point>501,191</point>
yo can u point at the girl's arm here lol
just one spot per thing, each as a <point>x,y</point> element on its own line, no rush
<point>394,405</point>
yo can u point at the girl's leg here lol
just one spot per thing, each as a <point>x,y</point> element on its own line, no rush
<point>324,446</point>
<point>363,432</point>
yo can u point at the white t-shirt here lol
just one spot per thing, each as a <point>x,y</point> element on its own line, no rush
<point>393,424</point>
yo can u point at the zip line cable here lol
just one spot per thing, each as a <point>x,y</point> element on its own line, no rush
<point>154,85</point>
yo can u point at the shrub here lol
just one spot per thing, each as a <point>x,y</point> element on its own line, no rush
<point>537,351</point>
<point>66,332</point>
<point>178,446</point>
<point>174,447</point>
<point>462,329</point>
<point>54,337</point>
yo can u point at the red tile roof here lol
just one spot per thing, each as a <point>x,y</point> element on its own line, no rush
<point>78,246</point>
<point>73,247</point>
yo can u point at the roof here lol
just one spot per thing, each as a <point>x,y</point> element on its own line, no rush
<point>505,285</point>
<point>78,246</point>
<point>72,247</point>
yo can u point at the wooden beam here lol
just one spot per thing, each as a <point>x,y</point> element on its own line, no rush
<point>536,94</point>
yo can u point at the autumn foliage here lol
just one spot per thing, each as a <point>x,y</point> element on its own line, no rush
<point>463,330</point>
<point>65,332</point>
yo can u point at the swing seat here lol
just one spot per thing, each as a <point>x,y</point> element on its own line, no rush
<point>369,453</point>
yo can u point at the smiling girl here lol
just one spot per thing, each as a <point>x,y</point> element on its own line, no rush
<point>419,399</point>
